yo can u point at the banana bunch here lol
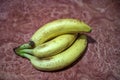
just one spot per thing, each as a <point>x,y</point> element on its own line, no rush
<point>56,44</point>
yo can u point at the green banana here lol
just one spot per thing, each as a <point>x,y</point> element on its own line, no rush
<point>60,60</point>
<point>56,28</point>
<point>52,47</point>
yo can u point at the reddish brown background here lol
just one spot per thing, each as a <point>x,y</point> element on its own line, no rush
<point>19,19</point>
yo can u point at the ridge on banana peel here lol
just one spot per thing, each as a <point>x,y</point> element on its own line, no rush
<point>52,47</point>
<point>56,28</point>
<point>61,60</point>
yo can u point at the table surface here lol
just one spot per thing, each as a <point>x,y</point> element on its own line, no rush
<point>19,19</point>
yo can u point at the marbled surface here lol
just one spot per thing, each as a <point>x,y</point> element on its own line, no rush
<point>19,19</point>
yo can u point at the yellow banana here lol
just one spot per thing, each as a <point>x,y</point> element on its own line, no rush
<point>56,28</point>
<point>61,60</point>
<point>52,47</point>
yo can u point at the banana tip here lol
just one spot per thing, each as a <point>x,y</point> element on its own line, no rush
<point>31,43</point>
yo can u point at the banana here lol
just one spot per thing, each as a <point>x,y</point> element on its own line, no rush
<point>52,47</point>
<point>56,28</point>
<point>61,60</point>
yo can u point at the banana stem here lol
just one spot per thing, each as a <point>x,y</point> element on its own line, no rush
<point>23,54</point>
<point>18,49</point>
<point>26,51</point>
<point>28,45</point>
<point>28,56</point>
<point>25,46</point>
